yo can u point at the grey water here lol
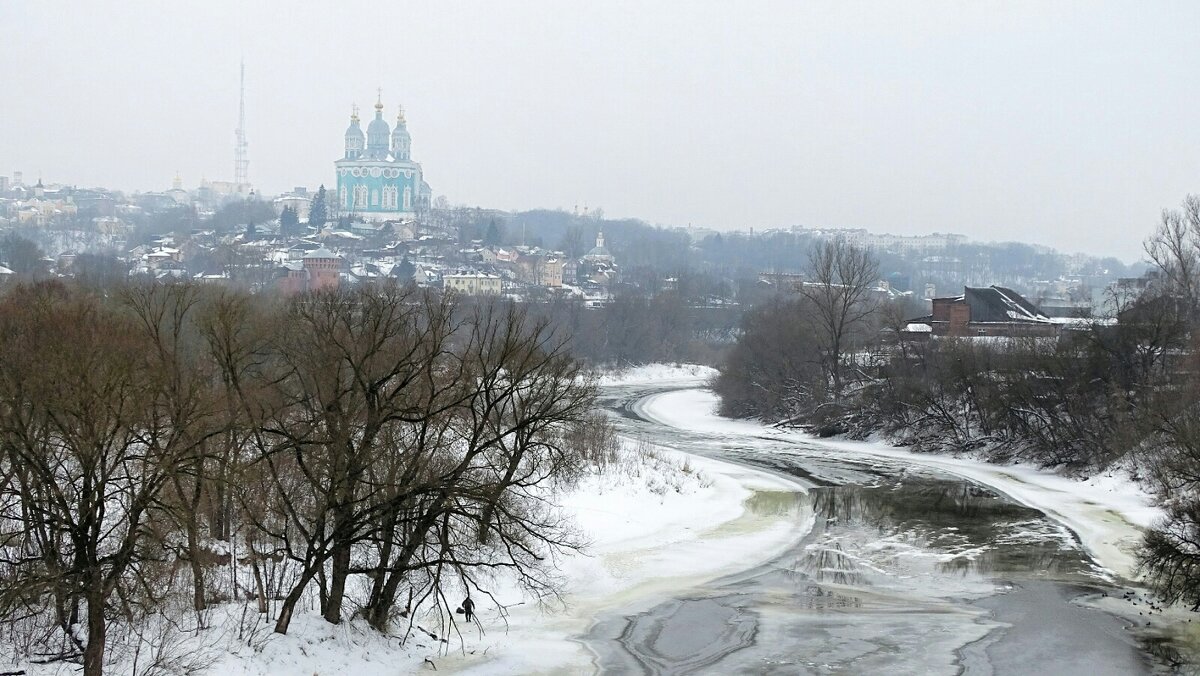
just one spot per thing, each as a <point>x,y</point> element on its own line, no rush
<point>897,570</point>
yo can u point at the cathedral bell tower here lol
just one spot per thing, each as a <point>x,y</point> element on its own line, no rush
<point>401,141</point>
<point>354,137</point>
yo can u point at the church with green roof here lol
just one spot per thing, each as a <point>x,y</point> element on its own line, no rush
<point>377,178</point>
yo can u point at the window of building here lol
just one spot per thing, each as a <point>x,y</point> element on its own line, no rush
<point>374,198</point>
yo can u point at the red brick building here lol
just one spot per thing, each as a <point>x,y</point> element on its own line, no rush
<point>319,269</point>
<point>984,311</point>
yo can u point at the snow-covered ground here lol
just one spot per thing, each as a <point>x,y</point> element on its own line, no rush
<point>1108,513</point>
<point>652,534</point>
<point>657,522</point>
<point>658,373</point>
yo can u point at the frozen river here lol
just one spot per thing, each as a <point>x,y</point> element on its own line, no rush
<point>895,569</point>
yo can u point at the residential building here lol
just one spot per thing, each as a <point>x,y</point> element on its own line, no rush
<point>472,283</point>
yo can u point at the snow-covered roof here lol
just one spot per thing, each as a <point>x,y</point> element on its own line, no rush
<point>321,253</point>
<point>997,304</point>
<point>1080,322</point>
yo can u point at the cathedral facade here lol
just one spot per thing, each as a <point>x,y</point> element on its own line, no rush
<point>377,178</point>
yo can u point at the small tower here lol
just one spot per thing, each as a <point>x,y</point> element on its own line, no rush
<point>401,141</point>
<point>354,137</point>
<point>323,268</point>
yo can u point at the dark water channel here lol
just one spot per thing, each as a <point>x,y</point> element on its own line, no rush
<point>898,570</point>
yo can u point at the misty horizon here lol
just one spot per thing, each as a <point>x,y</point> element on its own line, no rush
<point>1063,126</point>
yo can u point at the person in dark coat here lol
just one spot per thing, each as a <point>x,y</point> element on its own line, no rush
<point>468,607</point>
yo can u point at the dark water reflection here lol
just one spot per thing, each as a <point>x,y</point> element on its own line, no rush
<point>899,570</point>
<point>976,529</point>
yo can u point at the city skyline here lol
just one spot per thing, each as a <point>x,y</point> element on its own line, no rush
<point>1064,126</point>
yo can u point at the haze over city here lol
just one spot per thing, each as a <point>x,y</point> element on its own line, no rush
<point>1065,124</point>
<point>599,338</point>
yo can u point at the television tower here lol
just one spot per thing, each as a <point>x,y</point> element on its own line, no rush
<point>241,164</point>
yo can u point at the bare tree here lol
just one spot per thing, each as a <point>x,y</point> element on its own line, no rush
<point>186,401</point>
<point>86,453</point>
<point>841,277</point>
<point>1175,250</point>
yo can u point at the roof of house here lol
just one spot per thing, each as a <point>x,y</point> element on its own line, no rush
<point>994,304</point>
<point>998,304</point>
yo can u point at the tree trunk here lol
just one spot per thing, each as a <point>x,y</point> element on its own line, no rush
<point>93,654</point>
<point>193,544</point>
<point>340,570</point>
<point>380,611</point>
<point>289,604</point>
<point>322,589</point>
<point>198,603</point>
<point>219,522</point>
<point>259,589</point>
<point>379,582</point>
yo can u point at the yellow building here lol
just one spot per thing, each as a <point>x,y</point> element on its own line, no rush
<point>472,283</point>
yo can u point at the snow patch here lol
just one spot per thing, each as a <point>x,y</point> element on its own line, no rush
<point>656,373</point>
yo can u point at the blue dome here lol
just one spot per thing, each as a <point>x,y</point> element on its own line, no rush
<point>354,129</point>
<point>378,127</point>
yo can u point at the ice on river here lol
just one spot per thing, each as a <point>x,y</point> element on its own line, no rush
<point>1107,513</point>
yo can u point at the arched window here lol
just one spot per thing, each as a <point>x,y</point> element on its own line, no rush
<point>408,199</point>
<point>374,198</point>
<point>360,196</point>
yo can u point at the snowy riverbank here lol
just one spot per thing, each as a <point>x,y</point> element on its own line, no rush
<point>657,522</point>
<point>1108,513</point>
<point>651,535</point>
<point>690,374</point>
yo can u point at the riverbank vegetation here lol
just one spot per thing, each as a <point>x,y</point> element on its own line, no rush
<point>1120,390</point>
<point>373,454</point>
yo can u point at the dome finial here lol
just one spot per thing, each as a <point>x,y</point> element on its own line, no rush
<point>379,100</point>
<point>400,116</point>
<point>354,112</point>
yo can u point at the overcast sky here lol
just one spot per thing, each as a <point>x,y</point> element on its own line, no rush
<point>1065,124</point>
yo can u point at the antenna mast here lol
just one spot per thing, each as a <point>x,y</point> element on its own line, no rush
<point>241,163</point>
